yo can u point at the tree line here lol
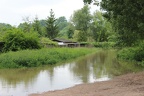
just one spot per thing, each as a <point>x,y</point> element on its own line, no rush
<point>82,27</point>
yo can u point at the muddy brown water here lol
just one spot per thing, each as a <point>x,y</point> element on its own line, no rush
<point>97,67</point>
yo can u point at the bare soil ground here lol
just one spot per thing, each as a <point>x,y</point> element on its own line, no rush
<point>125,85</point>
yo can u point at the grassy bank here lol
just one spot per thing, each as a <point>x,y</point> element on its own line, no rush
<point>33,58</point>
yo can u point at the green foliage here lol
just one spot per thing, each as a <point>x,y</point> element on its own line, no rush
<point>133,54</point>
<point>26,26</point>
<point>63,33</point>
<point>75,35</point>
<point>61,22</point>
<point>100,27</point>
<point>104,44</point>
<point>82,37</point>
<point>51,27</point>
<point>81,19</point>
<point>36,26</point>
<point>127,19</point>
<point>3,29</point>
<point>33,58</point>
<point>92,27</point>
<point>65,28</point>
<point>127,16</point>
<point>70,31</point>
<point>46,42</point>
<point>17,40</point>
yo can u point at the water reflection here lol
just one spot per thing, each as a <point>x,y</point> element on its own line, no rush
<point>97,67</point>
<point>91,68</point>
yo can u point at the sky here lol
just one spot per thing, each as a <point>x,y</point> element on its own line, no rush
<point>14,11</point>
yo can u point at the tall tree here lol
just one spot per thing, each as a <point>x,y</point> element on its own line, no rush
<point>101,28</point>
<point>81,19</point>
<point>51,27</point>
<point>127,17</point>
<point>36,26</point>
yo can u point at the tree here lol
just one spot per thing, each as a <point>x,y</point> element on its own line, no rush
<point>26,26</point>
<point>51,27</point>
<point>81,19</point>
<point>127,17</point>
<point>82,36</point>
<point>3,29</point>
<point>100,27</point>
<point>61,22</point>
<point>36,26</point>
<point>70,31</point>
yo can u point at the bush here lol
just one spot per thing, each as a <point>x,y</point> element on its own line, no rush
<point>139,55</point>
<point>17,40</point>
<point>127,53</point>
<point>133,54</point>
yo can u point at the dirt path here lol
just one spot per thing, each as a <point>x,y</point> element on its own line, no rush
<point>126,85</point>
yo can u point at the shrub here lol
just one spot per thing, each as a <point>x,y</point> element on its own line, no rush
<point>127,53</point>
<point>133,53</point>
<point>17,40</point>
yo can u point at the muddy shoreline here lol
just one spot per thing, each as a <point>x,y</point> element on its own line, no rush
<point>126,85</point>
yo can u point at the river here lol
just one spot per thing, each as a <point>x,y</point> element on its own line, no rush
<point>91,68</point>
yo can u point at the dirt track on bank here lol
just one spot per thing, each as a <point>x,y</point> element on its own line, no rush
<point>125,85</point>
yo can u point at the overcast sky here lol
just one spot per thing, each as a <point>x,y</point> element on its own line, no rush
<point>13,11</point>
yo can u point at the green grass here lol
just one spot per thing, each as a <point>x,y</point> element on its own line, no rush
<point>45,56</point>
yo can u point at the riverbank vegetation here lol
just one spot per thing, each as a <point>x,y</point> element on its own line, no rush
<point>116,27</point>
<point>125,17</point>
<point>44,56</point>
<point>135,54</point>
